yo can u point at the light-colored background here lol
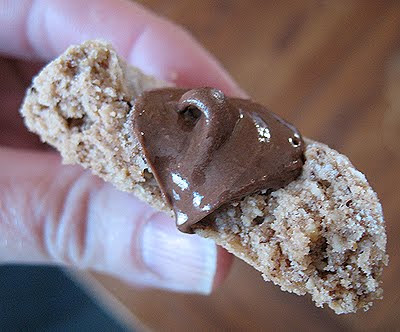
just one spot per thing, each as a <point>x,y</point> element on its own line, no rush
<point>329,67</point>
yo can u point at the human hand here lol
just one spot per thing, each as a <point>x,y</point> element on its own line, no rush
<point>54,214</point>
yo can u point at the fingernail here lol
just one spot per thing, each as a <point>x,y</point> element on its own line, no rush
<point>182,262</point>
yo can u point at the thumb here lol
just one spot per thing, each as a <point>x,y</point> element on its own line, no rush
<point>51,213</point>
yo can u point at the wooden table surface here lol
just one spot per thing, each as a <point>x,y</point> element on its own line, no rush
<point>330,67</point>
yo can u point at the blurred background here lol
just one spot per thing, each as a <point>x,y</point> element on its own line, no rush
<point>46,299</point>
<point>333,69</point>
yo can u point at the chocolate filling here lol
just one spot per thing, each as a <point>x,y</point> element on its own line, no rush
<point>206,149</point>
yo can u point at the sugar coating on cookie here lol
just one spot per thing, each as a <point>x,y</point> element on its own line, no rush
<point>323,234</point>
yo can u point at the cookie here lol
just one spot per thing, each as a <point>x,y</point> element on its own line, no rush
<point>323,234</point>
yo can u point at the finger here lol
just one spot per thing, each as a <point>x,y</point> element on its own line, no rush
<point>45,28</point>
<point>12,87</point>
<point>60,214</point>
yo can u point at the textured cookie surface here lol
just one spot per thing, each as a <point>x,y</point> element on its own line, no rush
<point>322,235</point>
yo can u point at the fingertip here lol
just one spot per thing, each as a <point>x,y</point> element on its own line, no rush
<point>224,265</point>
<point>157,46</point>
<point>169,52</point>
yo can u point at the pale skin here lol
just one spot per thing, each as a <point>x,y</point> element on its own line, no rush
<point>56,214</point>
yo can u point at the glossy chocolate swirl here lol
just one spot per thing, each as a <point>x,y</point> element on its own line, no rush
<point>206,149</point>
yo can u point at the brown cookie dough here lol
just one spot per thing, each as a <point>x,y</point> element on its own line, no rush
<point>323,234</point>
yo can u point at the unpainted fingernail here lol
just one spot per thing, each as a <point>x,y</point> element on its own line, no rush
<point>183,262</point>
